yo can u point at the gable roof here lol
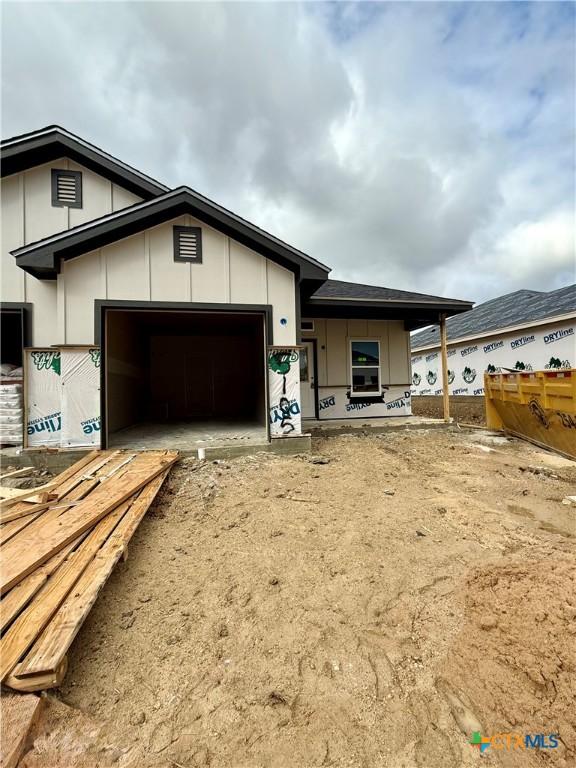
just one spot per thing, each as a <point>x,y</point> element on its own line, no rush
<point>518,308</point>
<point>29,150</point>
<point>42,258</point>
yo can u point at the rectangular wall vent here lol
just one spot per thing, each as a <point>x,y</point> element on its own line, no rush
<point>188,244</point>
<point>66,188</point>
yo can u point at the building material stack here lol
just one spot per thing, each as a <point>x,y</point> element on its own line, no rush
<point>11,407</point>
<point>58,548</point>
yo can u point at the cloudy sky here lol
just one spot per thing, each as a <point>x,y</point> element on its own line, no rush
<point>425,146</point>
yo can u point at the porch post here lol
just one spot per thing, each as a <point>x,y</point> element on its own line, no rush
<point>444,353</point>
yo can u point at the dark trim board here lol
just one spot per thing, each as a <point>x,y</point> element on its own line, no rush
<point>314,343</point>
<point>413,315</point>
<point>42,259</point>
<point>101,306</point>
<point>20,153</point>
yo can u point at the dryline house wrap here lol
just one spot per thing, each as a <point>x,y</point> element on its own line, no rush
<point>547,348</point>
<point>524,331</point>
<point>284,391</point>
<point>62,397</point>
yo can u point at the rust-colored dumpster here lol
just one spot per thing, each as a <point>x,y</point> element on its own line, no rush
<point>537,405</point>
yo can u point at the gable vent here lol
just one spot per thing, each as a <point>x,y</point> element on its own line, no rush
<point>66,188</point>
<point>188,244</point>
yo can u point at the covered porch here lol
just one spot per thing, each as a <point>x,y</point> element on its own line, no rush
<point>355,360</point>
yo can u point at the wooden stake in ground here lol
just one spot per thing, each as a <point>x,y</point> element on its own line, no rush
<point>445,384</point>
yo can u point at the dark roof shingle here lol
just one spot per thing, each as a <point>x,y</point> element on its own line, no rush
<point>339,289</point>
<point>516,308</point>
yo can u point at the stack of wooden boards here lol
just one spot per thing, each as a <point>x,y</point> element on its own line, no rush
<point>57,552</point>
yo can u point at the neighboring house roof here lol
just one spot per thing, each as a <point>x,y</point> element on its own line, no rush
<point>337,298</point>
<point>42,259</point>
<point>513,309</point>
<point>29,150</point>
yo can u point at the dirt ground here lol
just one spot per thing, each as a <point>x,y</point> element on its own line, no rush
<point>465,410</point>
<point>373,610</point>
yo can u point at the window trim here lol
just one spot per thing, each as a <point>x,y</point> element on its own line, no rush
<point>363,393</point>
<point>177,230</point>
<point>56,202</point>
<point>311,329</point>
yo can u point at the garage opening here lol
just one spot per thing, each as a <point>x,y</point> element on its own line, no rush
<point>12,341</point>
<point>14,336</point>
<point>182,379</point>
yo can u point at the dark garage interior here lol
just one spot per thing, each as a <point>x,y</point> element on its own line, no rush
<point>179,377</point>
<point>12,336</point>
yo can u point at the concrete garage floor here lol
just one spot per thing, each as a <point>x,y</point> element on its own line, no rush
<point>188,436</point>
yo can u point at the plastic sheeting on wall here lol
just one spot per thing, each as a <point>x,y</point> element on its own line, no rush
<point>62,397</point>
<point>284,391</point>
<point>43,397</point>
<point>335,403</point>
<point>548,347</point>
<point>80,380</point>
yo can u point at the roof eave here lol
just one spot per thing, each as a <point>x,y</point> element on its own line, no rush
<point>122,224</point>
<point>413,314</point>
<point>452,307</point>
<point>33,150</point>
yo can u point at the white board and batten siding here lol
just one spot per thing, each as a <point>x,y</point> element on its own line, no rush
<point>142,268</point>
<point>333,338</point>
<point>28,215</point>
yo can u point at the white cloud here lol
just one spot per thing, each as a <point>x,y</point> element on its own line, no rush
<point>423,146</point>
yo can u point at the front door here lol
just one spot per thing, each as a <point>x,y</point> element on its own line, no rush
<point>308,379</point>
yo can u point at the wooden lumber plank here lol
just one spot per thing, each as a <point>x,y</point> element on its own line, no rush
<point>32,620</point>
<point>19,597</point>
<point>77,466</point>
<point>38,682</point>
<point>21,510</point>
<point>51,512</point>
<point>9,496</point>
<point>22,472</point>
<point>52,645</point>
<point>19,714</point>
<point>86,472</point>
<point>22,554</point>
<point>76,493</point>
<point>9,530</point>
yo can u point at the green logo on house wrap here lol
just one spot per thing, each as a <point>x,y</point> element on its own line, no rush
<point>95,357</point>
<point>46,361</point>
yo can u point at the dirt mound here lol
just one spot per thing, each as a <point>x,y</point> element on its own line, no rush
<point>515,659</point>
